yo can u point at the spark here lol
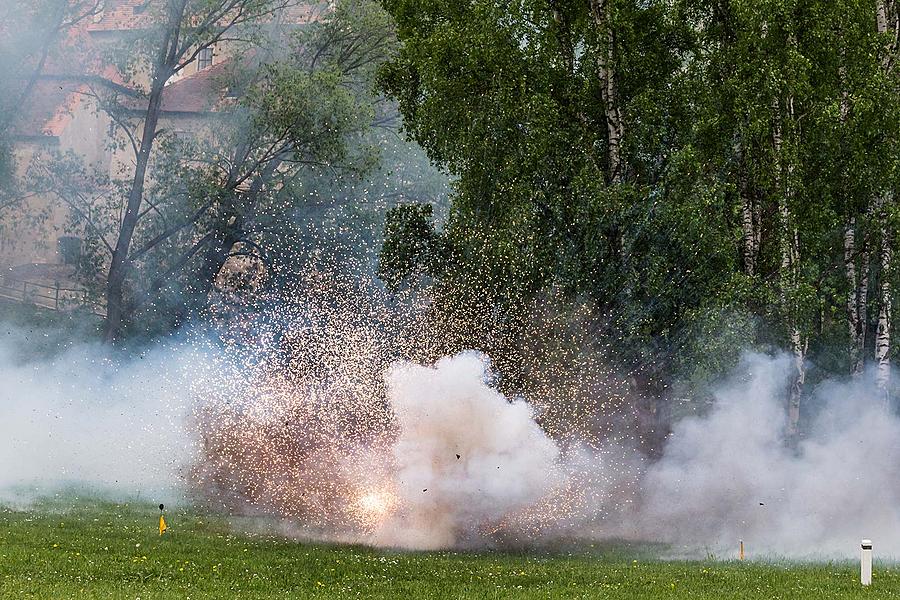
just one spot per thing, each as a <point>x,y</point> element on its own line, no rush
<point>373,508</point>
<point>301,425</point>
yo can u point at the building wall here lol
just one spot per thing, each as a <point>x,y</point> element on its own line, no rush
<point>30,233</point>
<point>20,239</point>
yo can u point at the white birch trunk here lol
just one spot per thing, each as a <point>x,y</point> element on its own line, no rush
<point>748,224</point>
<point>615,124</point>
<point>857,296</point>
<point>862,302</point>
<point>883,333</point>
<point>790,265</point>
<point>887,22</point>
<point>857,287</point>
<point>750,227</point>
<point>852,298</point>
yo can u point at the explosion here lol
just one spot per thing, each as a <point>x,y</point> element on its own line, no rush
<point>428,457</point>
<point>373,507</point>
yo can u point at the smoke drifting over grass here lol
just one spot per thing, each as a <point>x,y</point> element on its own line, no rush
<point>85,419</point>
<point>728,475</point>
<point>432,456</point>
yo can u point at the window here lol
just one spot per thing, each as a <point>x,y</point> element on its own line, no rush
<point>204,59</point>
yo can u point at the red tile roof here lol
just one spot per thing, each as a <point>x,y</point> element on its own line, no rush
<point>49,108</point>
<point>123,15</point>
<point>77,64</point>
<point>198,92</point>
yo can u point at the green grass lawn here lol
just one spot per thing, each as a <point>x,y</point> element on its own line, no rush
<point>106,550</point>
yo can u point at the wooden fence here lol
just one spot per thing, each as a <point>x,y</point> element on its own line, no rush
<point>54,297</point>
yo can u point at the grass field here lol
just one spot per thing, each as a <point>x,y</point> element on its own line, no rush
<point>106,550</point>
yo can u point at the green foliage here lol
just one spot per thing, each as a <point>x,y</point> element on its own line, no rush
<point>725,105</point>
<point>506,97</point>
<point>298,163</point>
<point>411,247</point>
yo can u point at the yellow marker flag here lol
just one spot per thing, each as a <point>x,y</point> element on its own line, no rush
<point>162,525</point>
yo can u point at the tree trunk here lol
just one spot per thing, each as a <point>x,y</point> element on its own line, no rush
<point>750,226</point>
<point>615,124</point>
<point>857,287</point>
<point>852,307</point>
<point>883,333</point>
<point>887,20</point>
<point>857,297</point>
<point>883,15</point>
<point>790,270</point>
<point>789,273</point>
<point>118,269</point>
<point>115,286</point>
<point>862,301</point>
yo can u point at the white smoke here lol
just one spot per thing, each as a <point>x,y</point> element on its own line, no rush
<point>729,476</point>
<point>85,419</point>
<point>465,456</point>
<point>123,427</point>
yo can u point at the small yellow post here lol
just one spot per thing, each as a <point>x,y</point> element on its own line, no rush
<point>162,521</point>
<point>742,550</point>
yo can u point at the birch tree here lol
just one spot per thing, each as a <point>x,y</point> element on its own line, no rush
<point>789,248</point>
<point>854,253</point>
<point>888,27</point>
<point>606,71</point>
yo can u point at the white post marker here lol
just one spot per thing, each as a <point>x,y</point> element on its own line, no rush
<point>865,563</point>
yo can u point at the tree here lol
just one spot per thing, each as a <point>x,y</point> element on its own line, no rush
<point>182,30</point>
<point>671,162</point>
<point>304,112</point>
<point>888,28</point>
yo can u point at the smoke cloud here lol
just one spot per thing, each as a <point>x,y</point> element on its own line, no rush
<point>465,456</point>
<point>416,456</point>
<point>728,475</point>
<point>87,419</point>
